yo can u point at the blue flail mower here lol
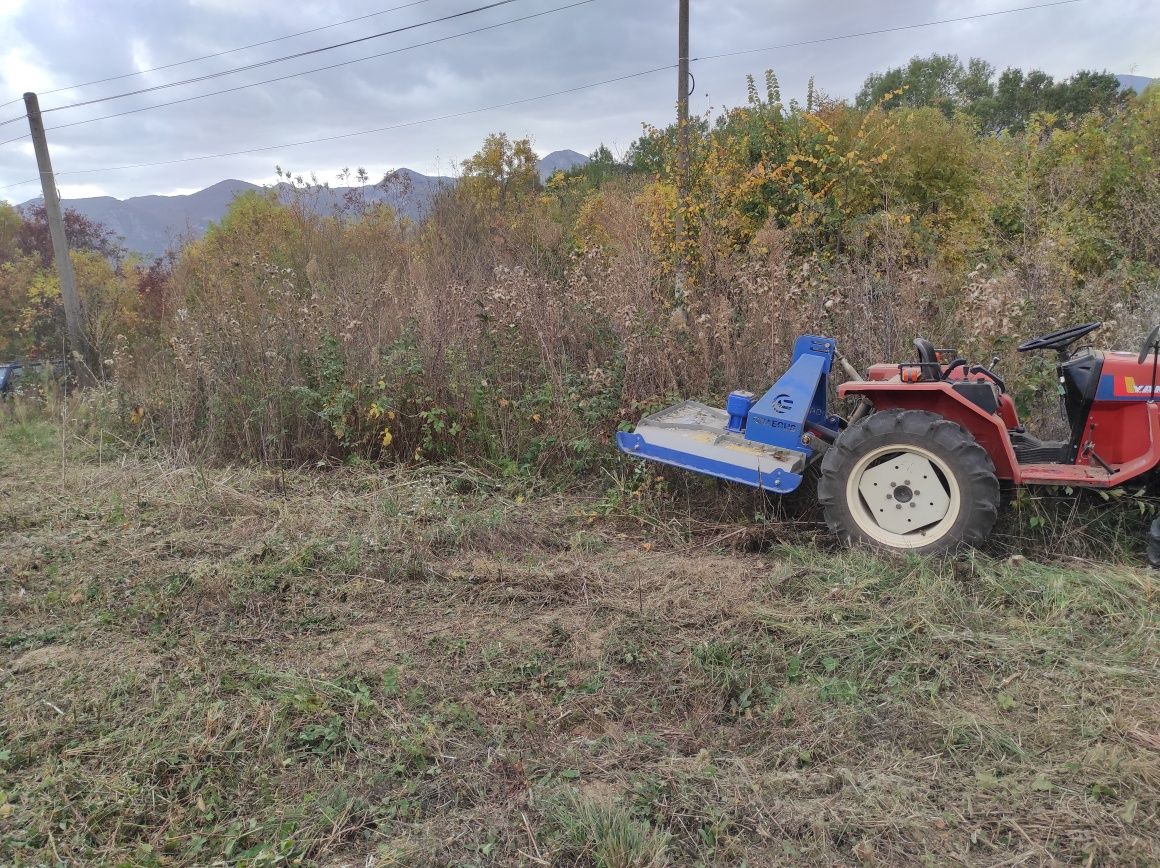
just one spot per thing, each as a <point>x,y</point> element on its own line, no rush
<point>765,442</point>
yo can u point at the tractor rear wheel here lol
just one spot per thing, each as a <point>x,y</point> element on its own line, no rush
<point>911,481</point>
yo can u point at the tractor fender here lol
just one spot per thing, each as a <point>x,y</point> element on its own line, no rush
<point>988,429</point>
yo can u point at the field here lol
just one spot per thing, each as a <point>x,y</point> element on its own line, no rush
<point>357,667</point>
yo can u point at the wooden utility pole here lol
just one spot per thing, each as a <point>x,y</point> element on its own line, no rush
<point>682,150</point>
<point>78,357</point>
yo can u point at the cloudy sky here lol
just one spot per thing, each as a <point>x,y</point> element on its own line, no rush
<point>46,45</point>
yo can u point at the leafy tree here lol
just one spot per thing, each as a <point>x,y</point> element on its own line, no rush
<point>110,302</point>
<point>113,291</point>
<point>32,309</point>
<point>502,171</point>
<point>9,232</point>
<point>1018,97</point>
<point>35,239</point>
<point>256,220</point>
<point>647,154</point>
<point>932,182</point>
<point>153,284</point>
<point>601,167</point>
<point>940,81</point>
<point>976,82</point>
<point>18,276</point>
<point>1085,92</point>
<point>943,82</point>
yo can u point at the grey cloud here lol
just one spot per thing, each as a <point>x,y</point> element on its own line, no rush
<point>76,40</point>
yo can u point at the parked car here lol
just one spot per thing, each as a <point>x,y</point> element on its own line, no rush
<point>13,373</point>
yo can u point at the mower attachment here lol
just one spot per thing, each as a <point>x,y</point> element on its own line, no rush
<point>760,442</point>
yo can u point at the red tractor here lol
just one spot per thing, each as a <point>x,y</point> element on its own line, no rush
<point>918,465</point>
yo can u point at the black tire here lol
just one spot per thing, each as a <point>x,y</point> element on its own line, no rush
<point>1154,545</point>
<point>962,467</point>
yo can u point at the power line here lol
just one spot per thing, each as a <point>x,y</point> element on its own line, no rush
<point>446,117</point>
<point>885,30</point>
<point>309,71</point>
<point>320,68</point>
<point>270,62</point>
<point>544,96</point>
<point>20,183</point>
<point>397,9</point>
<point>817,41</point>
<point>223,53</point>
<point>494,5</point>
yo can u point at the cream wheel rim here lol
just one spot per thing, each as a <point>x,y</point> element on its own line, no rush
<point>904,497</point>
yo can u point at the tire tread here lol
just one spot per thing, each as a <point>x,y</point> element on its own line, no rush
<point>969,460</point>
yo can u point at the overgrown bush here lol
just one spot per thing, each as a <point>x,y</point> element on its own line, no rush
<point>521,323</point>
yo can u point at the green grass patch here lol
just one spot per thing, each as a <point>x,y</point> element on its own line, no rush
<point>230,666</point>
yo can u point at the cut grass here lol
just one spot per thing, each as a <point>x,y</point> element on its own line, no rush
<point>430,667</point>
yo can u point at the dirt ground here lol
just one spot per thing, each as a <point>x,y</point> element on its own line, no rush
<point>433,667</point>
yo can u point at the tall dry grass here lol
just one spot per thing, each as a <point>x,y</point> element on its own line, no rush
<point>521,325</point>
<point>296,337</point>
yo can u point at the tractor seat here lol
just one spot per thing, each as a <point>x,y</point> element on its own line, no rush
<point>930,369</point>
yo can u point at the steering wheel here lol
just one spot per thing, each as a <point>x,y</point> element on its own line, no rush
<point>1060,340</point>
<point>1149,345</point>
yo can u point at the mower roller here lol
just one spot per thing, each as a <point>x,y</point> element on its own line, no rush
<point>917,465</point>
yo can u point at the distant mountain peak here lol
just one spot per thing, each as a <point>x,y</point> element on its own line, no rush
<point>229,182</point>
<point>560,161</point>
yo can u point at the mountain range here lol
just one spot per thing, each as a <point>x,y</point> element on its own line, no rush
<point>151,225</point>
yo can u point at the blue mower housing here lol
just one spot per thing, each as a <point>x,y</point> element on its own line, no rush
<point>765,442</point>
